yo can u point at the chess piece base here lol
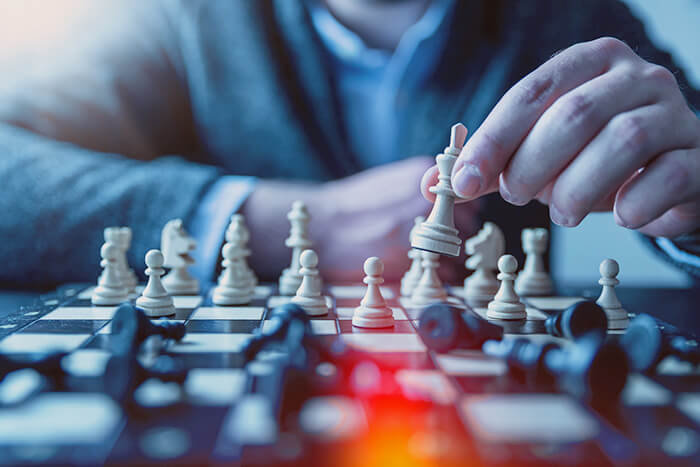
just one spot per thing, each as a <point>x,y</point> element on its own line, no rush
<point>313,306</point>
<point>109,296</point>
<point>231,296</point>
<point>506,311</point>
<point>450,248</point>
<point>155,307</point>
<point>617,318</point>
<point>289,282</point>
<point>373,317</point>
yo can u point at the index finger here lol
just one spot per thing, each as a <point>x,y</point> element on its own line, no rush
<point>487,152</point>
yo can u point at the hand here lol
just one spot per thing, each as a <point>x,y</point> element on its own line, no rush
<point>368,214</point>
<point>594,128</point>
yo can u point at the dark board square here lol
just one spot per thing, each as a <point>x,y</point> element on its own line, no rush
<point>243,326</point>
<point>68,326</point>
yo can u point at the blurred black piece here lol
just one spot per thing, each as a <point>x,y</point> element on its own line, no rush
<point>131,326</point>
<point>444,327</point>
<point>647,344</point>
<point>589,368</point>
<point>577,320</point>
<point>47,365</point>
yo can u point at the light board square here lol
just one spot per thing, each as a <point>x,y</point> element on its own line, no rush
<point>85,312</point>
<point>528,418</point>
<point>206,342</point>
<point>641,391</point>
<point>30,342</point>
<point>279,300</point>
<point>426,385</point>
<point>231,312</point>
<point>462,365</point>
<point>215,386</point>
<point>382,342</point>
<point>552,303</point>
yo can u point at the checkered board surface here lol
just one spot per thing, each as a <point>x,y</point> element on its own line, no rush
<point>487,417</point>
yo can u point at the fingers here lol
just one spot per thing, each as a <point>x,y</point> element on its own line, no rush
<point>567,126</point>
<point>430,178</point>
<point>626,144</point>
<point>668,189</point>
<point>487,152</point>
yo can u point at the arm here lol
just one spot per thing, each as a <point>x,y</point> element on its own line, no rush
<point>74,101</point>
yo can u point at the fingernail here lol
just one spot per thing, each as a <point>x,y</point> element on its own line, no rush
<point>510,197</point>
<point>559,218</point>
<point>467,181</point>
<point>622,222</point>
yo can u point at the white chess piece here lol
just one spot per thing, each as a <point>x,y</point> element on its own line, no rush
<point>309,296</point>
<point>298,241</point>
<point>608,301</point>
<point>484,249</point>
<point>124,242</point>
<point>429,288</point>
<point>237,224</point>
<point>110,290</point>
<point>176,245</point>
<point>412,276</point>
<point>233,287</point>
<point>155,300</point>
<point>506,304</point>
<point>533,280</point>
<point>438,232</point>
<point>373,311</point>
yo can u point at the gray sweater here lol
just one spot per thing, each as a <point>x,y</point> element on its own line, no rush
<point>133,119</point>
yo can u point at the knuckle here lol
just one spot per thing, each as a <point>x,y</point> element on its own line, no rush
<point>630,133</point>
<point>575,108</point>
<point>677,179</point>
<point>534,90</point>
<point>610,46</point>
<point>660,76</point>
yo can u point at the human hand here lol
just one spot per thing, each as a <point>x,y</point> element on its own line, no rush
<point>594,128</point>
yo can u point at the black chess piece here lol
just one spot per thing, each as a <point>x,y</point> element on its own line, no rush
<point>47,365</point>
<point>131,326</point>
<point>577,320</point>
<point>287,322</point>
<point>443,328</point>
<point>125,373</point>
<point>647,344</point>
<point>590,368</point>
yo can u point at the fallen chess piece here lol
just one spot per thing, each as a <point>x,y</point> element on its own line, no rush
<point>443,328</point>
<point>47,365</point>
<point>647,344</point>
<point>579,319</point>
<point>131,326</point>
<point>589,369</point>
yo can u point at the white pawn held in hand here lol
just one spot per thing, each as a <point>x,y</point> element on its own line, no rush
<point>110,290</point>
<point>309,295</point>
<point>429,289</point>
<point>373,311</point>
<point>155,300</point>
<point>485,248</point>
<point>234,287</point>
<point>608,301</point>
<point>438,232</point>
<point>533,280</point>
<point>412,276</point>
<point>298,241</point>
<point>506,304</point>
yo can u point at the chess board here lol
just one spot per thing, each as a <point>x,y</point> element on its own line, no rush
<point>461,408</point>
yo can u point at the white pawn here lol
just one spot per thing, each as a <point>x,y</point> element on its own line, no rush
<point>533,280</point>
<point>155,300</point>
<point>485,248</point>
<point>506,304</point>
<point>298,241</point>
<point>234,286</point>
<point>309,296</point>
<point>110,289</point>
<point>412,276</point>
<point>438,232</point>
<point>238,228</point>
<point>373,311</point>
<point>429,288</point>
<point>608,301</point>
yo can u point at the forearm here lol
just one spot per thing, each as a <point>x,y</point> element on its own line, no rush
<point>58,198</point>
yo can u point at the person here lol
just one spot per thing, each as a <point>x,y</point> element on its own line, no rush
<point>135,113</point>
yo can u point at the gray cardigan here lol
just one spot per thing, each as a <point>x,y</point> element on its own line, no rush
<point>166,97</point>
